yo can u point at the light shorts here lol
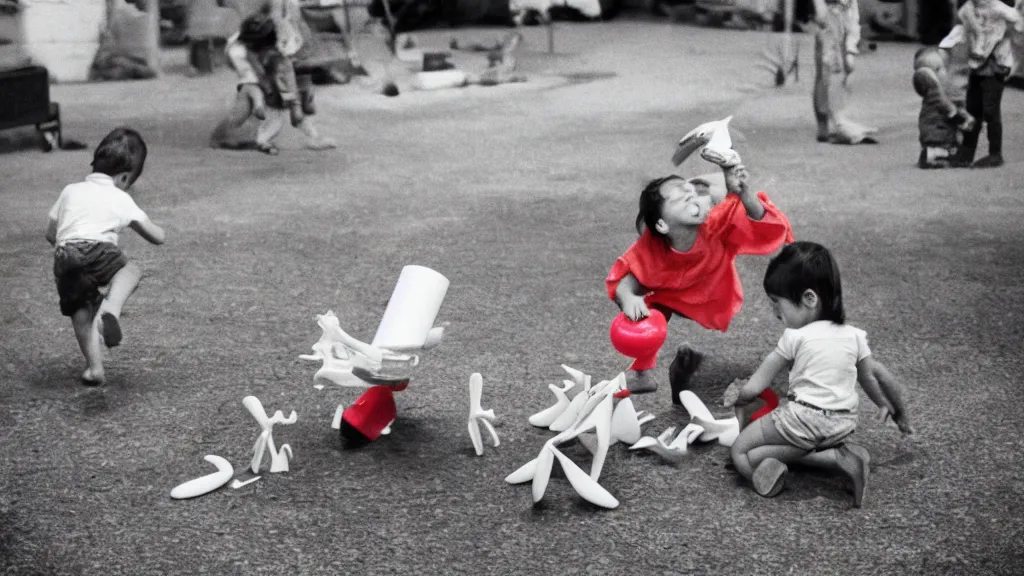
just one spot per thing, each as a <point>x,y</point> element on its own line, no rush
<point>810,428</point>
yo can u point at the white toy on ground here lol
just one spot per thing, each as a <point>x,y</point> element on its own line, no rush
<point>477,415</point>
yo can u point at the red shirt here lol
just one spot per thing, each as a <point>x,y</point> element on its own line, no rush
<point>702,283</point>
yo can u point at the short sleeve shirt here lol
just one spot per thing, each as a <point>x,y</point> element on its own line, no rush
<point>95,210</point>
<point>825,357</point>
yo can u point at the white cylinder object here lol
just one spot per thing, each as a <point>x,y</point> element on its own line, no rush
<point>412,309</point>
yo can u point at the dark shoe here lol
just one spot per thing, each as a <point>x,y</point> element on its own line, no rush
<point>686,362</point>
<point>990,161</point>
<point>110,329</point>
<point>769,478</point>
<point>641,382</point>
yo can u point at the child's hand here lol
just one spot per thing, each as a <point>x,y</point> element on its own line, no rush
<point>724,158</point>
<point>635,309</point>
<point>731,397</point>
<point>736,179</point>
<point>899,419</point>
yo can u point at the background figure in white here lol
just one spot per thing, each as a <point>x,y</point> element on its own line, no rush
<point>835,45</point>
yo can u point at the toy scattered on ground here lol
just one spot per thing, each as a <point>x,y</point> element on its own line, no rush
<point>673,450</point>
<point>478,415</point>
<point>383,365</point>
<point>596,422</point>
<point>278,457</point>
<point>208,483</point>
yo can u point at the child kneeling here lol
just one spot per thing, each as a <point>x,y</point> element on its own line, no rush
<point>826,358</point>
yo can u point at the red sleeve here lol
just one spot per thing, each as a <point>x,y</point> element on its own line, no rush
<point>748,236</point>
<point>641,260</point>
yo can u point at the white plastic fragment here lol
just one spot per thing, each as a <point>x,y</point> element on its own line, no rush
<point>478,415</point>
<point>278,458</point>
<point>208,483</point>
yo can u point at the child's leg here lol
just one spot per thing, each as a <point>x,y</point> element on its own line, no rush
<point>268,130</point>
<point>84,322</point>
<point>313,138</point>
<point>850,459</point>
<point>122,285</point>
<point>974,107</point>
<point>282,71</point>
<point>760,453</point>
<point>991,100</point>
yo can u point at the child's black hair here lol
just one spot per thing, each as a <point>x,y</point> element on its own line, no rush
<point>257,31</point>
<point>651,202</point>
<point>123,150</point>
<point>802,266</point>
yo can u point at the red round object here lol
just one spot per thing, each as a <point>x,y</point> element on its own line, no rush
<point>639,340</point>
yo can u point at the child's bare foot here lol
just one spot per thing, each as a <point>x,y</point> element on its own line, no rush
<point>93,377</point>
<point>110,329</point>
<point>641,381</point>
<point>769,477</point>
<point>687,361</point>
<point>321,144</point>
<point>855,462</point>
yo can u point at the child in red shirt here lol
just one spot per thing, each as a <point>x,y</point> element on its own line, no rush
<point>685,260</point>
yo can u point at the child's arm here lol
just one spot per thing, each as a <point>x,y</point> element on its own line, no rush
<point>51,232</point>
<point>148,230</point>
<point>762,378</point>
<point>736,179</point>
<point>629,295</point>
<point>885,391</point>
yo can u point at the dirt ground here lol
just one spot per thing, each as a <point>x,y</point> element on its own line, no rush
<point>522,196</point>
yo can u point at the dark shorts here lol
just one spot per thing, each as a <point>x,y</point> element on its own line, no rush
<point>81,269</point>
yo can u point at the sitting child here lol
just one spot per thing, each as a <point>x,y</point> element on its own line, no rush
<point>684,262</point>
<point>84,226</point>
<point>941,120</point>
<point>826,359</point>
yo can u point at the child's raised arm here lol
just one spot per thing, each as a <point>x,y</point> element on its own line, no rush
<point>148,230</point>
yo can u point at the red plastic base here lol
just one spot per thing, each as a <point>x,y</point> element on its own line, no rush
<point>369,414</point>
<point>771,402</point>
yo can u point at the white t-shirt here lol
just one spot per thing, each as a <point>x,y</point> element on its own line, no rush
<point>825,357</point>
<point>95,210</point>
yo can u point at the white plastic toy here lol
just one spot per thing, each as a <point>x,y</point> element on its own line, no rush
<point>710,135</point>
<point>208,483</point>
<point>595,415</point>
<point>724,430</point>
<point>278,458</point>
<point>478,415</point>
<point>672,450</point>
<point>547,417</point>
<point>386,364</point>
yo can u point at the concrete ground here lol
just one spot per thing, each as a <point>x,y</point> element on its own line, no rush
<point>522,196</point>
